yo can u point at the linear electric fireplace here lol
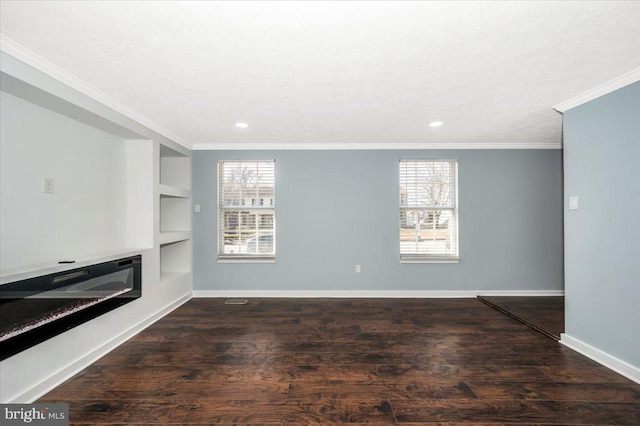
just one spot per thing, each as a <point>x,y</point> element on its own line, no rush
<point>36,309</point>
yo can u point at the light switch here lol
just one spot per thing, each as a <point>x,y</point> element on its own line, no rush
<point>196,208</point>
<point>573,202</point>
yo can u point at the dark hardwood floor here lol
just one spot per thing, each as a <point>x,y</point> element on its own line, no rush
<point>543,313</point>
<point>300,361</point>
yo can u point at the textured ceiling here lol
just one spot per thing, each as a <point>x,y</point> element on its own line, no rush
<point>338,72</point>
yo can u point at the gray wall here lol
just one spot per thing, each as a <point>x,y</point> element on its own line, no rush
<point>602,237</point>
<point>336,209</point>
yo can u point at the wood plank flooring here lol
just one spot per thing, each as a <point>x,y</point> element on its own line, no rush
<point>331,361</point>
<point>543,313</point>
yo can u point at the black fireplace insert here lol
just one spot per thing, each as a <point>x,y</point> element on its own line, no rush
<point>36,309</point>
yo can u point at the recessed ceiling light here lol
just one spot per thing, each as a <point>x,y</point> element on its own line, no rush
<point>242,125</point>
<point>435,124</point>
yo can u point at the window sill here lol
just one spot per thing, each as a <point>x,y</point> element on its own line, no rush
<point>247,260</point>
<point>422,260</point>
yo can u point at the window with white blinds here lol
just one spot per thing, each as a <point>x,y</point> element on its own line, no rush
<point>246,209</point>
<point>428,210</point>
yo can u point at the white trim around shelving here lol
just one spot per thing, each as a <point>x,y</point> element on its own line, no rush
<point>79,364</point>
<point>392,294</point>
<point>598,91</point>
<point>611,362</point>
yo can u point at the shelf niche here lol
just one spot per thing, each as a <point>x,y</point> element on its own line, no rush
<point>175,170</point>
<point>174,228</point>
<point>174,214</point>
<point>175,260</point>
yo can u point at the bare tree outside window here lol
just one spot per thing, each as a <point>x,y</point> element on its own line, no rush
<point>428,210</point>
<point>246,212</point>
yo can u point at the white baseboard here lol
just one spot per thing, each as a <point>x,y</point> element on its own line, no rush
<point>79,364</point>
<point>611,362</point>
<point>391,294</point>
<point>521,292</point>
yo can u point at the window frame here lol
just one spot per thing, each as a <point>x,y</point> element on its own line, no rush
<point>242,209</point>
<point>441,257</point>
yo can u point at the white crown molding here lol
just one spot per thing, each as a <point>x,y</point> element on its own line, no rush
<point>359,294</point>
<point>365,146</point>
<point>21,53</point>
<point>601,90</point>
<point>611,362</point>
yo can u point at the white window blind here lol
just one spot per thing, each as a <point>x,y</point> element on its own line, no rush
<point>428,210</point>
<point>246,209</point>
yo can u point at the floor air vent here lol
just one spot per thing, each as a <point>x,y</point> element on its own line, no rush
<point>236,301</point>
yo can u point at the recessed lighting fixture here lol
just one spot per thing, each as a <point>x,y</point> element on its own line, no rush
<point>435,124</point>
<point>242,125</point>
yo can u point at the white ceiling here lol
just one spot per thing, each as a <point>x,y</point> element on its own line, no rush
<point>356,73</point>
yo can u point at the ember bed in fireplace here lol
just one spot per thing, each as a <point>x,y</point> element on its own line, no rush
<point>36,309</point>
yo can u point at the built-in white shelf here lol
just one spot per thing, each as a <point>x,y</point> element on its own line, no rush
<point>173,191</point>
<point>174,237</point>
<point>175,261</point>
<point>174,233</point>
<point>10,275</point>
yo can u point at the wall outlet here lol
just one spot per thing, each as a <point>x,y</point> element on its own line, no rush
<point>47,185</point>
<point>357,269</point>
